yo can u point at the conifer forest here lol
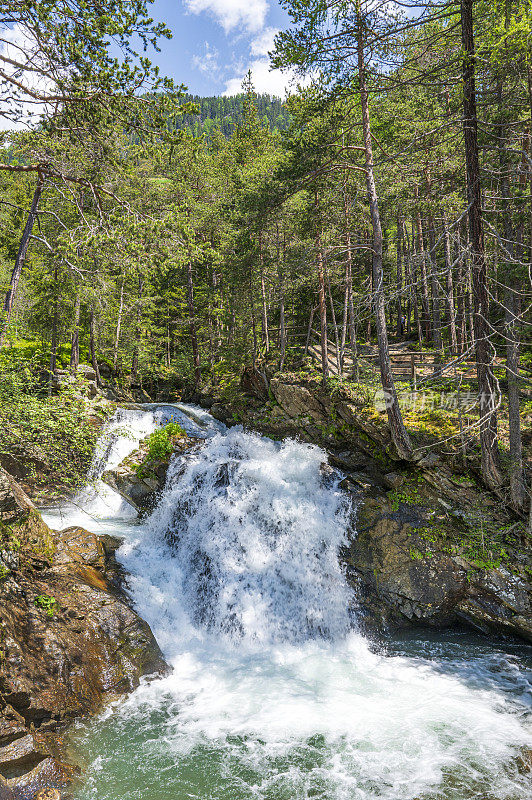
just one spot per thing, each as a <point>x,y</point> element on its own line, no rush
<point>373,229</point>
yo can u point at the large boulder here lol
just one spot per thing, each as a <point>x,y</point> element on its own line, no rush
<point>139,479</point>
<point>296,400</point>
<point>69,637</point>
<point>408,567</point>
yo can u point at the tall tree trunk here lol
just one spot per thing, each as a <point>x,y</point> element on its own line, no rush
<point>425,316</point>
<point>335,328</point>
<point>321,290</point>
<point>192,326</point>
<point>408,279</point>
<point>253,323</point>
<point>461,342</point>
<point>398,431</point>
<point>435,288</point>
<point>486,382</point>
<point>137,334</point>
<point>351,311</point>
<point>21,256</point>
<point>345,313</point>
<point>449,291</point>
<point>370,307</point>
<point>309,329</point>
<point>512,252</point>
<point>415,292</point>
<point>92,344</point>
<point>74,346</point>
<point>118,326</point>
<point>400,325</point>
<point>55,332</point>
<point>264,306</point>
<point>511,318</point>
<point>468,295</point>
<point>282,323</point>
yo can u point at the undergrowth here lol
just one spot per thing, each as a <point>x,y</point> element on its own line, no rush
<point>44,439</point>
<point>160,444</point>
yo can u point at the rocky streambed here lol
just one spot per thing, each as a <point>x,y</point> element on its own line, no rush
<point>426,547</point>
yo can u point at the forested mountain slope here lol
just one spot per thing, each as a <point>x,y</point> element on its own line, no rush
<point>377,224</point>
<point>226,113</point>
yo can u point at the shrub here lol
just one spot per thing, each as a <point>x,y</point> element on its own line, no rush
<point>47,603</point>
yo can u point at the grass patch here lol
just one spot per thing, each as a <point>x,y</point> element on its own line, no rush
<point>47,603</point>
<point>159,446</point>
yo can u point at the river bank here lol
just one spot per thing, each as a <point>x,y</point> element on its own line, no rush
<point>417,558</point>
<point>275,691</point>
<point>70,640</point>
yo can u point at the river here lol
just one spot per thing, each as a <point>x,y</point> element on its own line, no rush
<point>274,693</point>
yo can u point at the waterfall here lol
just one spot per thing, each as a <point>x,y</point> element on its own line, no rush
<point>120,436</point>
<point>274,694</point>
<point>256,528</point>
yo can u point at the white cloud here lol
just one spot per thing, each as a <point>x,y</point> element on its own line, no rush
<point>208,62</point>
<point>265,80</point>
<point>19,109</point>
<point>263,43</point>
<point>249,14</point>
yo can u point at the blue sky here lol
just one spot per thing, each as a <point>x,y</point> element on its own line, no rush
<point>215,42</point>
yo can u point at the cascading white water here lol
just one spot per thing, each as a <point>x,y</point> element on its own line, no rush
<point>121,436</point>
<point>274,695</point>
<point>256,529</point>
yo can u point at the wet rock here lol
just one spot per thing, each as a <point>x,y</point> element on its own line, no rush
<point>19,756</point>
<point>394,480</point>
<point>49,775</point>
<point>205,401</point>
<point>524,762</point>
<point>400,581</point>
<point>347,459</point>
<point>12,725</point>
<point>48,794</point>
<point>296,400</point>
<point>220,412</point>
<point>139,490</point>
<point>5,792</point>
<point>139,479</point>
<point>70,643</point>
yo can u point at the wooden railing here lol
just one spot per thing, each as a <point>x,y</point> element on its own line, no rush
<point>411,365</point>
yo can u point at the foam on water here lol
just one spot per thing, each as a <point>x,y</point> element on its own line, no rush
<point>274,695</point>
<point>120,437</point>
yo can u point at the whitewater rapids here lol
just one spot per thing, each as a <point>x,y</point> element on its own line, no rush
<point>274,694</point>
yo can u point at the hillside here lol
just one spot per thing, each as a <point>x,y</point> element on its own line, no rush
<point>228,112</point>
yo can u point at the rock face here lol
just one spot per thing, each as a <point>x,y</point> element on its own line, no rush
<point>139,490</point>
<point>139,479</point>
<point>296,400</point>
<point>69,641</point>
<point>405,575</point>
